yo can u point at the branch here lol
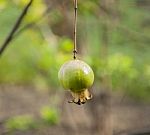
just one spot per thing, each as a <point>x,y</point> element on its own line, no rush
<point>15,28</point>
<point>33,23</point>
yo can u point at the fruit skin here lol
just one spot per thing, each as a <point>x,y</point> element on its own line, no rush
<point>76,76</point>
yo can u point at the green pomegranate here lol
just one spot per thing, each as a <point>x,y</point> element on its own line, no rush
<point>77,76</point>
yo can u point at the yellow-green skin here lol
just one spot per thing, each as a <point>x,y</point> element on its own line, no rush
<point>76,75</point>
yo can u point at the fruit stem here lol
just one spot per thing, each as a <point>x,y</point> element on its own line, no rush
<point>75,29</point>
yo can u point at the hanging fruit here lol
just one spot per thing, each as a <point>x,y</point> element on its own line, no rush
<point>77,76</point>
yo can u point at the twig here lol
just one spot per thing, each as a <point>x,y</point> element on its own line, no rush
<point>33,23</point>
<point>75,29</point>
<point>15,28</point>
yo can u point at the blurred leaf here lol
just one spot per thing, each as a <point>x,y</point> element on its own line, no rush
<point>66,45</point>
<point>20,123</point>
<point>50,115</point>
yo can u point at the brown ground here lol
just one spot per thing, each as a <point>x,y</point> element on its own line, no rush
<point>127,116</point>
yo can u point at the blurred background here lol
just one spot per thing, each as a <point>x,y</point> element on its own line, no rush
<point>113,38</point>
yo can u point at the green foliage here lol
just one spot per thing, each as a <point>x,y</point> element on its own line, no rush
<point>20,123</point>
<point>50,115</point>
<point>88,7</point>
<point>121,68</point>
<point>66,45</point>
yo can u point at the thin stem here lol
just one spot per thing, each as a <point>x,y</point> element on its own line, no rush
<point>15,28</point>
<point>75,29</point>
